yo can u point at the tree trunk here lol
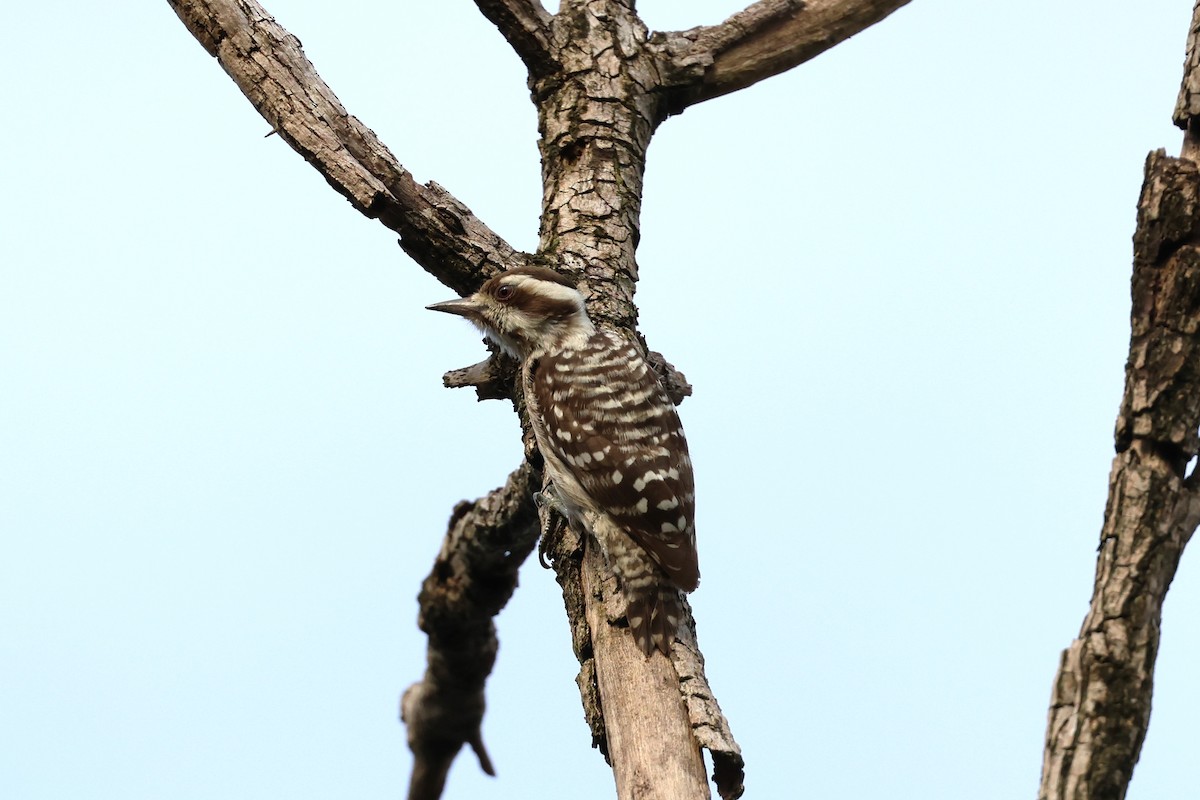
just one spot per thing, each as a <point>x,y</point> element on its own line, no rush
<point>1100,705</point>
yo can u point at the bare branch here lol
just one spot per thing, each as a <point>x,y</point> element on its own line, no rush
<point>767,38</point>
<point>268,64</point>
<point>632,703</point>
<point>526,26</point>
<point>472,579</point>
<point>648,730</point>
<point>1100,707</point>
<point>494,378</point>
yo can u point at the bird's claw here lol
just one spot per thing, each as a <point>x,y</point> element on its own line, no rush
<point>548,498</point>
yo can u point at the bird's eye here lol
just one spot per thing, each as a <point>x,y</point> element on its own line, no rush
<point>505,292</point>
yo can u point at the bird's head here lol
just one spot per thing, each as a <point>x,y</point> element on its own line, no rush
<point>526,310</point>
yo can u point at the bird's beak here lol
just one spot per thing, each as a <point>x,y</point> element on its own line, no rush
<point>463,307</point>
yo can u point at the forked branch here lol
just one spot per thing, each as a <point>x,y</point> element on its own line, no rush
<point>596,116</point>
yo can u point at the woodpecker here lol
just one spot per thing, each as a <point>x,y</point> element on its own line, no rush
<point>610,438</point>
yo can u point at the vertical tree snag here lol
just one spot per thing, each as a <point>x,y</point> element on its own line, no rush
<point>602,84</point>
<point>1100,705</point>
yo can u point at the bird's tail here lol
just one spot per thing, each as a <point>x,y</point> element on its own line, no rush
<point>654,613</point>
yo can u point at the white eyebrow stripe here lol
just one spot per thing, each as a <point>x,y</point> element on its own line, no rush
<point>554,291</point>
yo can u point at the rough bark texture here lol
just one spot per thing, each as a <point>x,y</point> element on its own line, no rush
<point>1187,106</point>
<point>646,763</point>
<point>472,579</point>
<point>626,728</point>
<point>268,65</point>
<point>602,83</point>
<point>765,39</point>
<point>526,25</point>
<point>1100,704</point>
<point>596,120</point>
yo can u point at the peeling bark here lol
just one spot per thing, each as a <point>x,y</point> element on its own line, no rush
<point>644,748</point>
<point>623,698</point>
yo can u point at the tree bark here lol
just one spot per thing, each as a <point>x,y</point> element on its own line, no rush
<point>644,744</point>
<point>526,26</point>
<point>596,118</point>
<point>490,537</point>
<point>269,66</point>
<point>765,39</point>
<point>602,83</point>
<point>1100,704</point>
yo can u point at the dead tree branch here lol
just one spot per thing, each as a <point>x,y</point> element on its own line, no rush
<point>765,39</point>
<point>628,684</point>
<point>473,578</point>
<point>526,26</point>
<point>632,704</point>
<point>1100,704</point>
<point>268,64</point>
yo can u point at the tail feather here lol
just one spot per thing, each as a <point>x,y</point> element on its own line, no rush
<point>654,613</point>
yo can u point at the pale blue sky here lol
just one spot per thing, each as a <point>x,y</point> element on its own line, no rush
<point>897,278</point>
